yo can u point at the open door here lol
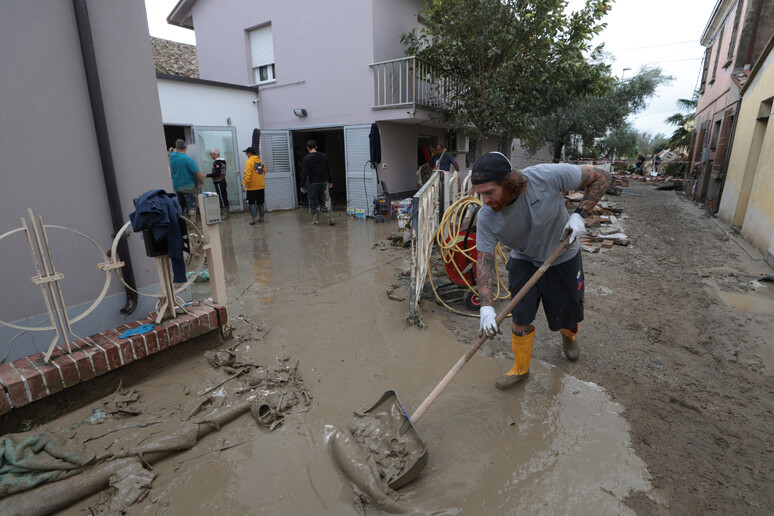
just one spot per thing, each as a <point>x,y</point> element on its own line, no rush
<point>361,178</point>
<point>277,152</point>
<point>223,139</point>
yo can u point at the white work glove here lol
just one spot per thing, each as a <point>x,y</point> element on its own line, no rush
<point>575,227</point>
<point>489,325</point>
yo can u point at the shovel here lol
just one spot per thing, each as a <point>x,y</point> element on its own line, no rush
<point>389,402</point>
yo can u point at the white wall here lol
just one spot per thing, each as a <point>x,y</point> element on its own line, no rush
<point>187,103</point>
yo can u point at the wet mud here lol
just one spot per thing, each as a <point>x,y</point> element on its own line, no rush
<point>317,294</point>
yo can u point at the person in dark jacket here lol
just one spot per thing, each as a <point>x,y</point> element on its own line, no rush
<point>218,176</point>
<point>316,172</point>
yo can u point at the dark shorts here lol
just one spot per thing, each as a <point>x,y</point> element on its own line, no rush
<point>560,289</point>
<point>255,197</point>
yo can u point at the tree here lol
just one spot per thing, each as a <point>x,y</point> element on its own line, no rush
<point>621,141</point>
<point>681,138</point>
<point>593,116</point>
<point>509,61</point>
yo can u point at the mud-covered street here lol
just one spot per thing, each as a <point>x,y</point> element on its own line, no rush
<point>678,331</point>
<point>667,411</point>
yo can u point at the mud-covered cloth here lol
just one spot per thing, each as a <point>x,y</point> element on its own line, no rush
<point>30,460</point>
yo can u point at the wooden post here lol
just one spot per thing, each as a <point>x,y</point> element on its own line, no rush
<point>211,234</point>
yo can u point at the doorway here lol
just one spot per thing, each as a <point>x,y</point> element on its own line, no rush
<point>330,142</point>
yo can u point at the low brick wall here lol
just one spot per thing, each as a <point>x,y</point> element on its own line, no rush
<point>29,379</point>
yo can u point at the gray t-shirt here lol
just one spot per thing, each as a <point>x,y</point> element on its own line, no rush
<point>532,226</point>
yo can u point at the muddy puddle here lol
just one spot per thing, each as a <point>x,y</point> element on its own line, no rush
<point>317,294</point>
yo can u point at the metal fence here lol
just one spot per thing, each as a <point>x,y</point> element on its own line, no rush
<point>204,244</point>
<point>411,81</point>
<point>425,220</point>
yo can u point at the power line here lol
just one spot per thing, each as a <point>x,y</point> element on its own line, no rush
<point>676,60</point>
<point>655,46</point>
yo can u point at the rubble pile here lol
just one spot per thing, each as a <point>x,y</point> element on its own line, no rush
<point>603,225</point>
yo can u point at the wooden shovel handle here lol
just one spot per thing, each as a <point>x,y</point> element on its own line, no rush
<point>500,318</point>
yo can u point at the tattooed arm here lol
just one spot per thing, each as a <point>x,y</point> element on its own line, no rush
<point>485,278</point>
<point>593,183</point>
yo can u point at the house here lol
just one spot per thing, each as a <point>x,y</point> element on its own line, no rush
<point>734,37</point>
<point>748,195</point>
<point>332,72</point>
<point>205,113</point>
<point>82,137</point>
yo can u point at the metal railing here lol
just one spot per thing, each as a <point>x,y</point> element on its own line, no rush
<point>204,243</point>
<point>411,82</point>
<point>425,220</point>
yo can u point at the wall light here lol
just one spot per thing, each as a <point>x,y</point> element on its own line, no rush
<point>300,112</point>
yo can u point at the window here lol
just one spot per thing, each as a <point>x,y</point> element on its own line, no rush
<point>734,32</point>
<point>705,69</point>
<point>262,54</point>
<point>717,54</point>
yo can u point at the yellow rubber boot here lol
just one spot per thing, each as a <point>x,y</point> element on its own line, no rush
<point>570,344</point>
<point>522,354</point>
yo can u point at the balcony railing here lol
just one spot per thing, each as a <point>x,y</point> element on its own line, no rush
<point>410,82</point>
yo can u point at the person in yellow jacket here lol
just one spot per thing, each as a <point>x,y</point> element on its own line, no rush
<point>254,183</point>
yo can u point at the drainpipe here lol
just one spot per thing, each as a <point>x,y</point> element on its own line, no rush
<point>105,152</point>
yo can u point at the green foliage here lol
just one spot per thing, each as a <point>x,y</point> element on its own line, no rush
<point>674,168</point>
<point>510,62</point>
<point>594,115</point>
<point>621,141</point>
<point>681,138</point>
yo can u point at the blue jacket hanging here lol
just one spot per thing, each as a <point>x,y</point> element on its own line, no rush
<point>159,212</point>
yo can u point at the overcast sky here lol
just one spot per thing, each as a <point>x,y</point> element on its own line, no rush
<point>663,33</point>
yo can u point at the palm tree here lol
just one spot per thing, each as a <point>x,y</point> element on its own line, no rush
<point>681,138</point>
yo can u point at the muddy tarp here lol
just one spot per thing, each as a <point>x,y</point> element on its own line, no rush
<point>28,461</point>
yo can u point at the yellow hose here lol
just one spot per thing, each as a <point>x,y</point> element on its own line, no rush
<point>449,238</point>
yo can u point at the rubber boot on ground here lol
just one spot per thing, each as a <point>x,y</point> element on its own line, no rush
<point>253,212</point>
<point>224,213</point>
<point>570,344</point>
<point>331,222</point>
<point>315,218</point>
<point>522,355</point>
<point>260,212</point>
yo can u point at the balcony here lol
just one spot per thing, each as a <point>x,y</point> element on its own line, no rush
<point>411,82</point>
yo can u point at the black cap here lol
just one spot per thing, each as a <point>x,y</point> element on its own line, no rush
<point>492,166</point>
<point>251,150</point>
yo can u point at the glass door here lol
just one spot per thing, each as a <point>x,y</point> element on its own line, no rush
<point>223,139</point>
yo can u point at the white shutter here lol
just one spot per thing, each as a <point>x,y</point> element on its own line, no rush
<point>262,46</point>
<point>276,151</point>
<point>361,184</point>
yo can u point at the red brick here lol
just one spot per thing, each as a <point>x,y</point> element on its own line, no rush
<point>151,342</point>
<point>86,364</point>
<point>163,337</point>
<point>111,350</point>
<point>54,381</point>
<point>69,370</point>
<point>34,379</point>
<point>184,323</point>
<point>138,347</point>
<point>13,383</point>
<point>173,330</point>
<point>5,403</point>
<point>201,315</point>
<point>125,345</point>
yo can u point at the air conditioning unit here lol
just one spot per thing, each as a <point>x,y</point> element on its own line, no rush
<point>458,141</point>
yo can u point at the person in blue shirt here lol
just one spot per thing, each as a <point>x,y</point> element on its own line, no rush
<point>186,178</point>
<point>447,162</point>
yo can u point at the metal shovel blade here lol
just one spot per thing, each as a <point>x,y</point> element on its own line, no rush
<point>389,406</point>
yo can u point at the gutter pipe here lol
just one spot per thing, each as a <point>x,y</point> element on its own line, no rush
<point>105,150</point>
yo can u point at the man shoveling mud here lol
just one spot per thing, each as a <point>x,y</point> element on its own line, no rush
<point>525,211</point>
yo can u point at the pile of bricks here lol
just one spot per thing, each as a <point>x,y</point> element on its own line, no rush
<point>29,379</point>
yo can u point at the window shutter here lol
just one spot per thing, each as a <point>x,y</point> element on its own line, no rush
<point>735,30</point>
<point>262,46</point>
